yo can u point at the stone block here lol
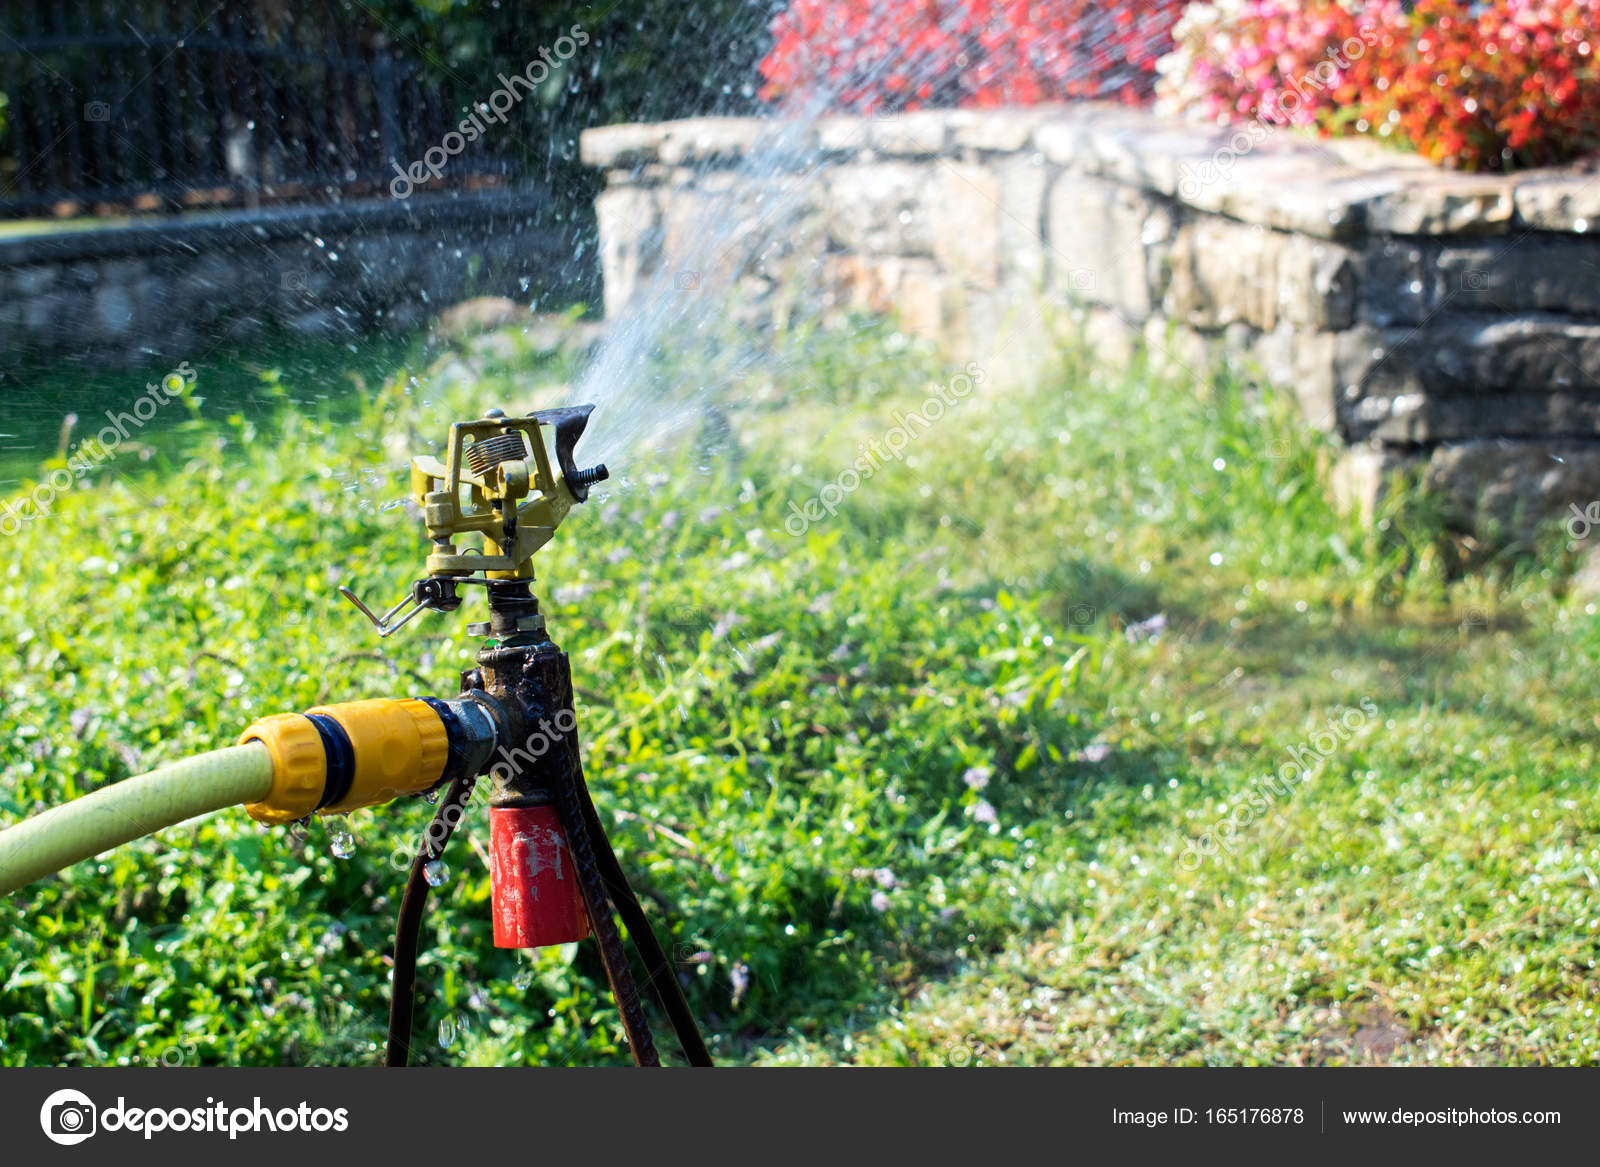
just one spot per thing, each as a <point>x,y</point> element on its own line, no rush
<point>1095,243</point>
<point>920,133</point>
<point>1420,419</point>
<point>113,309</point>
<point>1558,201</point>
<point>913,289</point>
<point>630,242</point>
<point>1224,272</point>
<point>697,141</point>
<point>1515,483</point>
<point>1536,354</point>
<point>880,208</point>
<point>1396,281</point>
<point>622,145</point>
<point>1364,473</point>
<point>1020,226</point>
<point>31,281</point>
<point>1007,131</point>
<point>1556,274</point>
<point>964,222</point>
<point>1438,202</point>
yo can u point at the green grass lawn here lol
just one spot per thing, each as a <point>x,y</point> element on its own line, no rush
<point>980,769</point>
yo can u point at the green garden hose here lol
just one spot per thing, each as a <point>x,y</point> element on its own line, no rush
<point>131,809</point>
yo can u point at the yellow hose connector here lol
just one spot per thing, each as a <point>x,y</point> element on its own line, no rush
<point>299,767</point>
<point>400,748</point>
<point>338,758</point>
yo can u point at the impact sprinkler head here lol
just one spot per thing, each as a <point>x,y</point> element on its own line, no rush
<point>496,482</point>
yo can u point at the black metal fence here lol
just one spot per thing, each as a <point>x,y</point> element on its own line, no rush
<point>171,104</point>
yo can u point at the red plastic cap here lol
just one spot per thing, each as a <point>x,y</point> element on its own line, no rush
<point>536,898</point>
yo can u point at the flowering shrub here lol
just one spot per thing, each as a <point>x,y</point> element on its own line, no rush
<point>1494,85</point>
<point>872,56</point>
<point>1285,62</point>
<point>1517,85</point>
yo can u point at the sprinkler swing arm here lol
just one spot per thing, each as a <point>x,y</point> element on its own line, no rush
<point>554,876</point>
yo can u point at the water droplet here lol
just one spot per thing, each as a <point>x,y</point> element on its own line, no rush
<point>447,1031</point>
<point>431,797</point>
<point>435,872</point>
<point>341,840</point>
<point>523,979</point>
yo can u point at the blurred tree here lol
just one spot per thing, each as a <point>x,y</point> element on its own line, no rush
<point>646,60</point>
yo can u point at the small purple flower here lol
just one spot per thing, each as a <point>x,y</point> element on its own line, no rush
<point>983,812</point>
<point>1150,629</point>
<point>885,878</point>
<point>1096,752</point>
<point>880,901</point>
<point>976,777</point>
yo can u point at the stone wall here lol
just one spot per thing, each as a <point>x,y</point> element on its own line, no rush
<point>164,289</point>
<point>1443,322</point>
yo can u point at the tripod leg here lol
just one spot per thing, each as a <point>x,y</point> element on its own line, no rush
<point>659,968</point>
<point>408,927</point>
<point>569,806</point>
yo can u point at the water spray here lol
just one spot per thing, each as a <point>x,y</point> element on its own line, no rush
<point>555,878</point>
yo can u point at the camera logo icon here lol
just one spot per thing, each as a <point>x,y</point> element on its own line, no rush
<point>68,1117</point>
<point>96,111</point>
<point>686,616</point>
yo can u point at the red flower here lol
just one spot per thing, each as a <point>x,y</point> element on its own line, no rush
<point>1498,85</point>
<point>865,55</point>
